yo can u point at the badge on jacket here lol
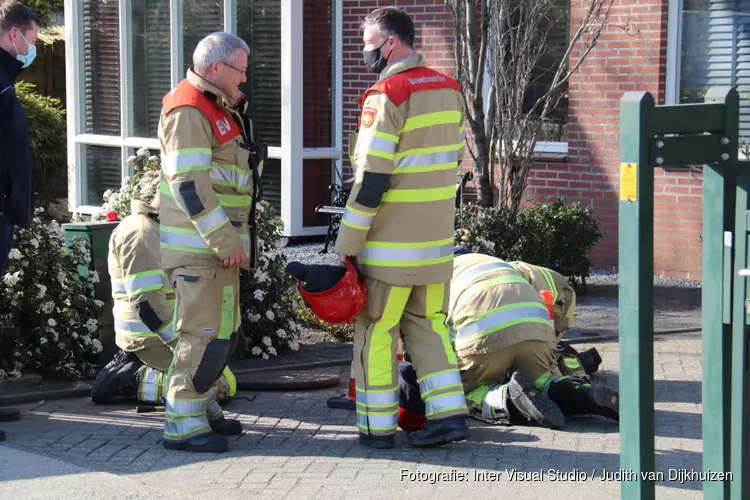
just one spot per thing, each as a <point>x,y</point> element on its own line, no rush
<point>368,116</point>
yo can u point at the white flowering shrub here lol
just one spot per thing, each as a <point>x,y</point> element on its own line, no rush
<point>269,299</point>
<point>47,310</point>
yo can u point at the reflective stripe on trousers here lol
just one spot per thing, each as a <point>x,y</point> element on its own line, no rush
<point>139,329</point>
<point>445,401</point>
<point>153,386</point>
<point>185,418</point>
<point>376,253</point>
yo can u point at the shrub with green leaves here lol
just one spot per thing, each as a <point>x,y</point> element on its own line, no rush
<point>48,136</point>
<point>557,235</point>
<point>48,313</point>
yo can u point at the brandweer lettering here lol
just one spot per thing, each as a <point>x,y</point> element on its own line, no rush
<point>426,79</point>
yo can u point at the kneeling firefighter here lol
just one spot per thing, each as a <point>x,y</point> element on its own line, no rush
<point>500,326</point>
<point>143,312</point>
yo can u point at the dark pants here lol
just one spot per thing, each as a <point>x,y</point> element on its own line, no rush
<point>6,242</point>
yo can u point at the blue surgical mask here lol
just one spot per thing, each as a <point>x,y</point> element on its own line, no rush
<point>29,57</point>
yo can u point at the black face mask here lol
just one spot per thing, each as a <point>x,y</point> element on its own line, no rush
<point>374,60</point>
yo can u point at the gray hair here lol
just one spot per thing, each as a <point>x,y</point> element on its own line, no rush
<point>217,47</point>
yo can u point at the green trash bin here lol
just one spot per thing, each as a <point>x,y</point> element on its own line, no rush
<point>97,233</point>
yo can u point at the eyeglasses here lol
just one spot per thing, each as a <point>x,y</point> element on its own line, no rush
<point>241,71</point>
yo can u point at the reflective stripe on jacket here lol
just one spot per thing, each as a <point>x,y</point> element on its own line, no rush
<point>564,297</point>
<point>492,306</point>
<point>206,181</point>
<point>143,297</point>
<point>399,215</point>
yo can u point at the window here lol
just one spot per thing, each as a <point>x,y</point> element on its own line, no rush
<point>200,19</point>
<point>101,67</point>
<point>103,170</point>
<point>711,48</point>
<point>318,63</point>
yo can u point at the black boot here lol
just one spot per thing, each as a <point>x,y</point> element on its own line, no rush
<point>117,379</point>
<point>226,427</point>
<point>2,435</point>
<point>378,442</point>
<point>440,432</point>
<point>576,396</point>
<point>590,360</point>
<point>530,403</point>
<point>205,443</point>
<point>9,415</point>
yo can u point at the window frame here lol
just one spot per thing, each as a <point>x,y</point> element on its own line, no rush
<point>291,153</point>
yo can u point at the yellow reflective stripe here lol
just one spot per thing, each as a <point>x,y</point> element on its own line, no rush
<point>435,315</point>
<point>550,282</point>
<point>186,160</point>
<point>419,195</point>
<point>378,144</point>
<point>357,219</point>
<point>429,150</point>
<point>227,313</point>
<point>431,119</point>
<point>393,254</point>
<point>234,200</point>
<point>379,353</point>
<point>414,244</point>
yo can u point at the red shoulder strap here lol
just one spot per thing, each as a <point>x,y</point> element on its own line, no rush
<point>185,94</point>
<point>401,86</point>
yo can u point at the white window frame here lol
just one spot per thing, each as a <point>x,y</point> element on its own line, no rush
<point>674,52</point>
<point>291,153</point>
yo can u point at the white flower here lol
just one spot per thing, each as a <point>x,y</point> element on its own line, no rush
<point>94,277</point>
<point>14,254</point>
<point>131,160</point>
<point>256,351</point>
<point>34,242</point>
<point>258,294</point>
<point>259,208</point>
<point>12,279</point>
<point>253,317</point>
<point>265,356</point>
<point>153,158</point>
<point>261,276</point>
<point>98,303</point>
<point>270,315</point>
<point>42,290</point>
<point>267,341</point>
<point>51,322</point>
<point>281,333</point>
<point>97,346</point>
<point>272,351</point>
<point>48,307</point>
<point>43,341</point>
<point>61,277</point>
<point>294,345</point>
<point>143,152</point>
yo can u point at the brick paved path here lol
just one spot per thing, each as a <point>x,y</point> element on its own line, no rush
<point>296,447</point>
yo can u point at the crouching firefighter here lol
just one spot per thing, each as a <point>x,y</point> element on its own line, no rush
<point>506,348</point>
<point>143,313</point>
<point>210,174</point>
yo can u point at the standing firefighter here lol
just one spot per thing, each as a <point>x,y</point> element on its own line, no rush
<point>210,174</point>
<point>399,224</point>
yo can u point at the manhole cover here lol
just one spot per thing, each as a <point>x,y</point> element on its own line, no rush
<point>277,380</point>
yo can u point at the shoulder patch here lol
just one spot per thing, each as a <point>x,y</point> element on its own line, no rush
<point>368,116</point>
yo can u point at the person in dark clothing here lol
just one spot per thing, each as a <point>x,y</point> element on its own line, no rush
<point>19,28</point>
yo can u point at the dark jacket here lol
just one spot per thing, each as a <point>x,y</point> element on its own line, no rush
<point>16,164</point>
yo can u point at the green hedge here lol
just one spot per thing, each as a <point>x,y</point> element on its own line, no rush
<point>49,148</point>
<point>557,235</point>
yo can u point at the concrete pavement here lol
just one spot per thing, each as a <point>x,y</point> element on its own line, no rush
<point>296,447</point>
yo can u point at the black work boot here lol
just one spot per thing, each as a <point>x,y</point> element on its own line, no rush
<point>375,441</point>
<point>440,432</point>
<point>576,396</point>
<point>117,379</point>
<point>531,403</point>
<point>590,360</point>
<point>9,415</point>
<point>2,435</point>
<point>205,443</point>
<point>226,427</point>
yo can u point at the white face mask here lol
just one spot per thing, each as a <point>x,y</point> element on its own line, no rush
<point>30,55</point>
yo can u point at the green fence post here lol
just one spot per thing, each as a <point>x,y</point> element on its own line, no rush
<point>636,282</point>
<point>718,223</point>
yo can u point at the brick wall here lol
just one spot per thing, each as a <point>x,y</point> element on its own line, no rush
<point>622,61</point>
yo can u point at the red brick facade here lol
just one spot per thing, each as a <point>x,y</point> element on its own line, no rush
<point>622,61</point>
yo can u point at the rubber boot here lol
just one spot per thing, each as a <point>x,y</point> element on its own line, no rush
<point>117,379</point>
<point>378,442</point>
<point>206,443</point>
<point>440,432</point>
<point>226,427</point>
<point>9,415</point>
<point>531,404</point>
<point>578,397</point>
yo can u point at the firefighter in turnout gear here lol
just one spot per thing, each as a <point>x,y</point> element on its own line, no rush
<point>210,176</point>
<point>398,223</point>
<point>143,312</point>
<point>500,326</point>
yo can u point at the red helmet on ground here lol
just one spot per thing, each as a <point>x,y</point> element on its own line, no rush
<point>343,301</point>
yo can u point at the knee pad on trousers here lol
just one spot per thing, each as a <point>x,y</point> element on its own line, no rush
<point>408,389</point>
<point>212,364</point>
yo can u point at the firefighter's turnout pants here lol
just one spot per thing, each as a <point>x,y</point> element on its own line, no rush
<point>207,313</point>
<point>419,313</point>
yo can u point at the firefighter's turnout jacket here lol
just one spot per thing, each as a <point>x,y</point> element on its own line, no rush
<point>399,215</point>
<point>563,295</point>
<point>207,184</point>
<point>143,298</point>
<point>493,307</point>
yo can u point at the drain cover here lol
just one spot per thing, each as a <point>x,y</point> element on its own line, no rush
<point>280,380</point>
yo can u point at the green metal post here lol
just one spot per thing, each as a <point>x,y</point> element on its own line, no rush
<point>636,264</point>
<point>740,409</point>
<point>718,223</point>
